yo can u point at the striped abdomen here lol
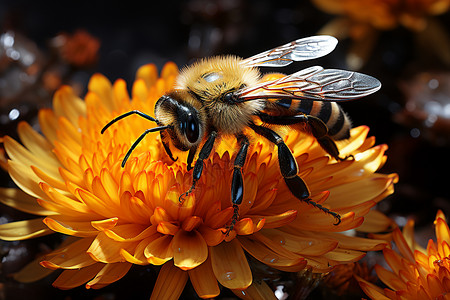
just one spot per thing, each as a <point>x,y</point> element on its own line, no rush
<point>330,113</point>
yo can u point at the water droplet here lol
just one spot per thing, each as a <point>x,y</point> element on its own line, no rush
<point>310,243</point>
<point>279,239</point>
<point>179,250</point>
<point>228,275</point>
<point>271,258</point>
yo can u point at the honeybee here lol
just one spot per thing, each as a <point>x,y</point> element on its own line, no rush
<point>224,95</point>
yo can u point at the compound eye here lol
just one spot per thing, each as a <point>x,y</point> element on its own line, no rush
<point>192,129</point>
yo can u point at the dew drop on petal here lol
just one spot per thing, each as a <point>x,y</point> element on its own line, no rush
<point>270,258</point>
<point>228,275</point>
<point>279,239</point>
<point>179,250</point>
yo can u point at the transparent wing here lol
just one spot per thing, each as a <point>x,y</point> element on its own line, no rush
<point>301,49</point>
<point>314,83</point>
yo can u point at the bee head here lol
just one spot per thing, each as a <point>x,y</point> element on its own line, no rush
<point>183,114</point>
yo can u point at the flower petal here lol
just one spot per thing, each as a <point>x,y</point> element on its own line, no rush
<point>22,230</point>
<point>80,229</point>
<point>204,281</point>
<point>73,278</point>
<point>72,256</point>
<point>230,265</point>
<point>189,249</point>
<point>108,274</point>
<point>159,250</point>
<point>275,257</point>
<point>106,250</point>
<point>19,200</point>
<point>32,272</point>
<point>370,289</point>
<point>170,283</point>
<point>258,290</point>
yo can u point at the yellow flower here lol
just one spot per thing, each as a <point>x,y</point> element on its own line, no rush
<point>72,177</point>
<point>416,273</point>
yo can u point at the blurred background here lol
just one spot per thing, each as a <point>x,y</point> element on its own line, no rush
<point>405,44</point>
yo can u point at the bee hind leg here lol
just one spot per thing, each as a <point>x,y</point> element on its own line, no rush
<point>289,170</point>
<point>237,182</point>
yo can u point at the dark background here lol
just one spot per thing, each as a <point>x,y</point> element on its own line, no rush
<point>133,33</point>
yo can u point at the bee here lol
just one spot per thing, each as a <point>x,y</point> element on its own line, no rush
<point>224,96</point>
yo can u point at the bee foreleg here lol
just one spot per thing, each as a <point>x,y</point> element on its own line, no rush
<point>166,146</point>
<point>190,158</point>
<point>204,153</point>
<point>237,182</point>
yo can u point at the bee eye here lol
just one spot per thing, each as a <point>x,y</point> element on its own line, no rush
<point>191,128</point>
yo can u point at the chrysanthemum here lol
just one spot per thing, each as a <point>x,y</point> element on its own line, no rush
<point>416,273</point>
<point>71,176</point>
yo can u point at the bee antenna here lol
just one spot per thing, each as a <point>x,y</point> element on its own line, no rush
<point>139,139</point>
<point>137,112</point>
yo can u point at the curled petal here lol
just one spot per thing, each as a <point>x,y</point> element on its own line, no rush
<point>73,278</point>
<point>189,249</point>
<point>19,200</point>
<point>108,274</point>
<point>22,230</point>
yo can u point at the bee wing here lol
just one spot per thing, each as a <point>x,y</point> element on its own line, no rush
<point>314,83</point>
<point>301,49</point>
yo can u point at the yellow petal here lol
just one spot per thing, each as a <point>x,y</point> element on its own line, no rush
<point>73,278</point>
<point>170,283</point>
<point>258,290</point>
<point>36,143</point>
<point>148,73</point>
<point>203,280</point>
<point>67,104</point>
<point>19,200</point>
<point>130,232</point>
<point>101,86</point>
<point>104,249</point>
<point>108,274</point>
<point>370,289</point>
<point>375,221</point>
<point>22,230</point>
<point>25,179</point>
<point>189,249</point>
<point>159,250</point>
<point>80,229</point>
<point>281,259</point>
<point>230,265</point>
<point>72,256</point>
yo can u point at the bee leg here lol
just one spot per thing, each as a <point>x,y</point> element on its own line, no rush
<point>318,129</point>
<point>204,153</point>
<point>166,146</point>
<point>237,182</point>
<point>289,170</point>
<point>190,158</point>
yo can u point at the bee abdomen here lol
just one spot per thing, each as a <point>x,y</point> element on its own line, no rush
<point>334,117</point>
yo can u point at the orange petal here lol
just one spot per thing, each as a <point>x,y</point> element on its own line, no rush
<point>159,250</point>
<point>344,255</point>
<point>130,232</point>
<point>442,231</point>
<point>283,259</point>
<point>390,279</point>
<point>212,236</point>
<point>101,86</point>
<point>189,249</point>
<point>108,274</point>
<point>80,229</point>
<point>73,256</point>
<point>244,226</point>
<point>22,230</point>
<point>168,228</point>
<point>230,265</point>
<point>67,104</point>
<point>300,244</point>
<point>73,278</point>
<point>375,221</point>
<point>258,290</point>
<point>278,220</point>
<point>170,283</point>
<point>104,249</point>
<point>204,281</point>
<point>148,73</point>
<point>19,200</point>
<point>191,223</point>
<point>402,245</point>
<point>371,290</point>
